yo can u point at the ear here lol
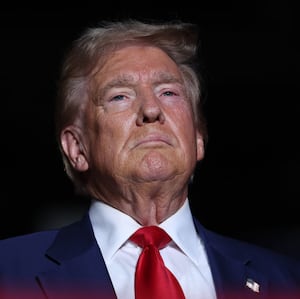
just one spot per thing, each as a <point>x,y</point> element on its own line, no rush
<point>200,146</point>
<point>73,148</point>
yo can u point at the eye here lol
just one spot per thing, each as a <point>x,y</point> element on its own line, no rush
<point>118,97</point>
<point>169,90</point>
<point>169,93</point>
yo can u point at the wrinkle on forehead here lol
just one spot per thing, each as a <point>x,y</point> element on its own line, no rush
<point>142,62</point>
<point>155,77</point>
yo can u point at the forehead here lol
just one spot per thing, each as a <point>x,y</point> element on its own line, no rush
<point>139,63</point>
<point>132,78</point>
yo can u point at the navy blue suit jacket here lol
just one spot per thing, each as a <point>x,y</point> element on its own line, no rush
<point>67,263</point>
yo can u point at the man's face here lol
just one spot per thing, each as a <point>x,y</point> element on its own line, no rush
<point>140,126</point>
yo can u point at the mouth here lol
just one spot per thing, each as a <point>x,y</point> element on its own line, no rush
<point>153,140</point>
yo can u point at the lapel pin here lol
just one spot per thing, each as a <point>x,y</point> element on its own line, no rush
<point>252,285</point>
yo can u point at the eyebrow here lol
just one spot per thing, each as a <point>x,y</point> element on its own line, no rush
<point>120,80</point>
<point>130,80</point>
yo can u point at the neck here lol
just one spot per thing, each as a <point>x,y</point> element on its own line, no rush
<point>148,203</point>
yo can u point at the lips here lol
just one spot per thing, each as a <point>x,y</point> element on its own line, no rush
<point>153,139</point>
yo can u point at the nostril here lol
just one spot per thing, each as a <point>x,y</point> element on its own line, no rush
<point>146,120</point>
<point>153,118</point>
<point>149,119</point>
<point>150,114</point>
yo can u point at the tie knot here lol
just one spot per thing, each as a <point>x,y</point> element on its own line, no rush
<point>151,235</point>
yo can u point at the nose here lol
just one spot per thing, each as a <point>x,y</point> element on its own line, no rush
<point>150,111</point>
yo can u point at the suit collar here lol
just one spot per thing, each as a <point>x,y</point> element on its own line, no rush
<point>79,269</point>
<point>231,267</point>
<point>66,246</point>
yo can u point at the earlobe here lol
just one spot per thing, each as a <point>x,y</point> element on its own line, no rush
<point>200,146</point>
<point>73,149</point>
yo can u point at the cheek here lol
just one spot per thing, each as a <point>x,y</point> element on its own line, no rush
<point>111,134</point>
<point>183,119</point>
<point>182,109</point>
<point>185,131</point>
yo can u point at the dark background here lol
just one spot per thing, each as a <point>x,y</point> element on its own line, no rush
<point>248,184</point>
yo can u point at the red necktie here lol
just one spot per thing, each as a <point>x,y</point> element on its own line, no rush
<point>153,280</point>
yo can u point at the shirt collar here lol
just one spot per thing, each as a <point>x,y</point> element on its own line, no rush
<point>112,228</point>
<point>181,229</point>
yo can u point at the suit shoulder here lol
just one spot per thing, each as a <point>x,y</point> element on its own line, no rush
<point>244,250</point>
<point>25,246</point>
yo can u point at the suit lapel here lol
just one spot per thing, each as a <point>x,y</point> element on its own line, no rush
<point>78,269</point>
<point>232,270</point>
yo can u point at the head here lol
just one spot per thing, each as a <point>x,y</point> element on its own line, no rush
<point>97,53</point>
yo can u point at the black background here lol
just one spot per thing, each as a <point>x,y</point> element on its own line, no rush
<point>248,184</point>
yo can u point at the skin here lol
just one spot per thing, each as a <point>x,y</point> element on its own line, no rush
<point>139,144</point>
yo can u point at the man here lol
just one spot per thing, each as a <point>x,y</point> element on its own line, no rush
<point>131,131</point>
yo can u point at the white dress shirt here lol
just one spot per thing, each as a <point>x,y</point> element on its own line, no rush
<point>185,256</point>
